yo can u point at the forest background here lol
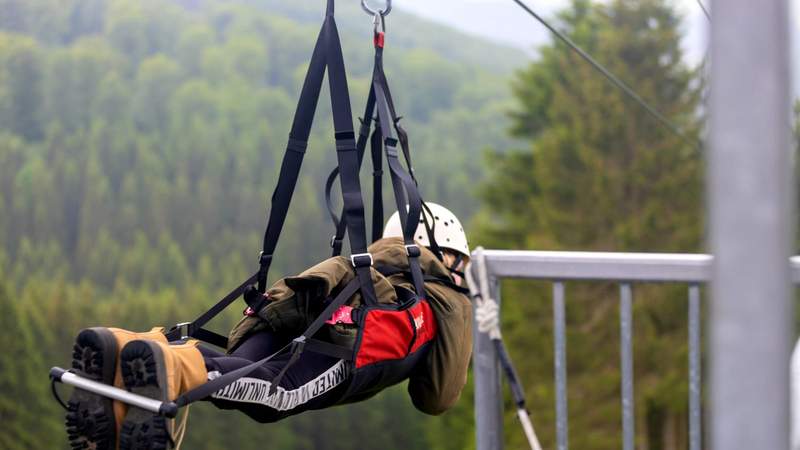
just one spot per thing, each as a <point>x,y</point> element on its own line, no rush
<point>140,141</point>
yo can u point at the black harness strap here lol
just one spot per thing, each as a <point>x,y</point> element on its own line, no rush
<point>377,184</point>
<point>402,183</point>
<point>195,328</point>
<point>295,149</point>
<point>353,205</point>
<point>363,136</point>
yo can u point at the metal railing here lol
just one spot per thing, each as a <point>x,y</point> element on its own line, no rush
<point>559,267</point>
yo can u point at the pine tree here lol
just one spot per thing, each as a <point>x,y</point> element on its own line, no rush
<point>600,174</point>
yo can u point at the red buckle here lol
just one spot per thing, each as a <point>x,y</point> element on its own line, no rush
<point>378,40</point>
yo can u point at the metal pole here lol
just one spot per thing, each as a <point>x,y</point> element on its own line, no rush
<point>486,371</point>
<point>695,434</point>
<point>750,185</point>
<point>626,356</point>
<point>560,362</point>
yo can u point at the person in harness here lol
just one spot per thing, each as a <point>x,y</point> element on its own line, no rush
<point>429,345</point>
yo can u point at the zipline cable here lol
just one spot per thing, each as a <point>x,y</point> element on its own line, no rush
<point>705,11</point>
<point>610,76</point>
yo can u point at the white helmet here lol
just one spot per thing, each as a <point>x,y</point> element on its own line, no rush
<point>447,229</point>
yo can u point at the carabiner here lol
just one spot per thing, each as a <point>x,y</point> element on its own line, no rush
<point>372,12</point>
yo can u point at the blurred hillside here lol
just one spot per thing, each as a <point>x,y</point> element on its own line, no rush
<point>153,126</point>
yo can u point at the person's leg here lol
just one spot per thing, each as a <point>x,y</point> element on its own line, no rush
<point>165,372</point>
<point>315,381</point>
<point>92,421</point>
<point>260,345</point>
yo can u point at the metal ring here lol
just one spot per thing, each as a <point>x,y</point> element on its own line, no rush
<point>372,12</point>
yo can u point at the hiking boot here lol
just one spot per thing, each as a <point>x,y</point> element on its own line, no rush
<point>92,420</point>
<point>162,372</point>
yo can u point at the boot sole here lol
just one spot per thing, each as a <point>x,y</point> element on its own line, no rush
<point>90,417</point>
<point>144,373</point>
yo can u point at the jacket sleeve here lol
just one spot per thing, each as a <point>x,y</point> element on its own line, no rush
<point>437,386</point>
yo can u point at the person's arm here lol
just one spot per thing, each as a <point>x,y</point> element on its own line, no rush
<point>437,386</point>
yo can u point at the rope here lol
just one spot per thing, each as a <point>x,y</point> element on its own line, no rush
<point>180,431</point>
<point>486,310</point>
<point>627,90</point>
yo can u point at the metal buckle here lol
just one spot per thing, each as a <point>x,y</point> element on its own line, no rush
<point>357,255</point>
<point>298,344</point>
<point>264,259</point>
<point>415,247</point>
<point>184,328</point>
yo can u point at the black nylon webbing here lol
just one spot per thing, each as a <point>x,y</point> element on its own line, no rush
<point>347,155</point>
<point>196,325</point>
<point>293,158</point>
<point>405,188</point>
<point>377,184</point>
<point>363,136</point>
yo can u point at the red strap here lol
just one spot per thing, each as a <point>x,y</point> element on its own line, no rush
<point>379,37</point>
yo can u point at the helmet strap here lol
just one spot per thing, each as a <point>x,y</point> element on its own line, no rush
<point>454,267</point>
<point>430,229</point>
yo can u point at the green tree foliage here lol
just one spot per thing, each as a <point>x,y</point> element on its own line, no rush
<point>24,398</point>
<point>139,143</point>
<point>600,174</point>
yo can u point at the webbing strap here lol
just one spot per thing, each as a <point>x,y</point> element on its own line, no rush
<point>402,135</point>
<point>405,188</point>
<point>347,155</point>
<point>295,150</point>
<point>195,328</point>
<point>377,184</point>
<point>361,144</point>
<point>297,346</point>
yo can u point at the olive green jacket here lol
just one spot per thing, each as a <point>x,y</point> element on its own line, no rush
<point>296,302</point>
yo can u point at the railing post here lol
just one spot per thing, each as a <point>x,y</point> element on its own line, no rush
<point>560,363</point>
<point>751,211</point>
<point>695,433</point>
<point>486,376</point>
<point>626,365</point>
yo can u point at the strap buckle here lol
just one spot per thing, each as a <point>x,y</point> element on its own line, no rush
<point>360,260</point>
<point>298,344</point>
<point>413,251</point>
<point>183,327</point>
<point>264,259</point>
